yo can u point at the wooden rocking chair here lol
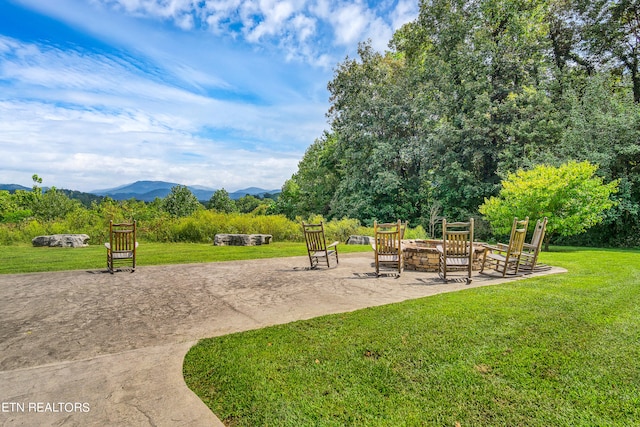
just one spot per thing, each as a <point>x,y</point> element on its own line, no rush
<point>388,245</point>
<point>530,251</point>
<point>506,258</point>
<point>317,248</point>
<point>456,250</point>
<point>122,245</point>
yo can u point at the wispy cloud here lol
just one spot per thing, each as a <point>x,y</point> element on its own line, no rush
<point>297,26</point>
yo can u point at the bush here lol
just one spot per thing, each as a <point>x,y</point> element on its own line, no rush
<point>341,229</point>
<point>203,225</point>
<point>199,227</point>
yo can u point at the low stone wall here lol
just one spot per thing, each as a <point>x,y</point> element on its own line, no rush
<point>242,239</point>
<point>61,240</point>
<point>421,255</point>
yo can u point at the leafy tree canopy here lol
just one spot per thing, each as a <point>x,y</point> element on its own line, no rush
<point>571,196</point>
<point>221,201</point>
<point>180,202</point>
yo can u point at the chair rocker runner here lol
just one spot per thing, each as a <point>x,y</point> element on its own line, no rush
<point>388,245</point>
<point>506,258</point>
<point>530,251</point>
<point>317,248</point>
<point>456,250</point>
<point>122,245</point>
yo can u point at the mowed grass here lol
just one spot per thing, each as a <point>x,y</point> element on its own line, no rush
<point>560,350</point>
<point>28,259</point>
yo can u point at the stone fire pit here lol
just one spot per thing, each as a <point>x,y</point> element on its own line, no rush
<point>421,255</point>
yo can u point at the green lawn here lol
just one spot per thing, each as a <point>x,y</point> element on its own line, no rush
<point>561,350</point>
<point>28,259</point>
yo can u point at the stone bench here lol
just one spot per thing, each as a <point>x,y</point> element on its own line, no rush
<point>242,239</point>
<point>61,240</point>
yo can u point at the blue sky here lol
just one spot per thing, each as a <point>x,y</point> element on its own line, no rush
<point>219,93</point>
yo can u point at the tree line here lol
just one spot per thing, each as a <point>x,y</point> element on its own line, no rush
<point>180,216</point>
<point>469,93</point>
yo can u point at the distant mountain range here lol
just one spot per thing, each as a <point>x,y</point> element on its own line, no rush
<point>13,187</point>
<point>147,191</point>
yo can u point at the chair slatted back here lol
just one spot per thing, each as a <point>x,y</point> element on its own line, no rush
<point>457,238</point>
<point>122,237</point>
<point>314,236</point>
<point>388,237</point>
<point>538,233</point>
<point>518,235</point>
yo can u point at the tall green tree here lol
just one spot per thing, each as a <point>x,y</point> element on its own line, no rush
<point>288,201</point>
<point>374,122</point>
<point>604,128</point>
<point>318,177</point>
<point>610,30</point>
<point>247,203</point>
<point>180,202</point>
<point>482,65</point>
<point>221,202</point>
<point>470,92</point>
<point>54,204</point>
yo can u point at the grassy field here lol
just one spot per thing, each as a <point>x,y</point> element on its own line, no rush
<point>28,259</point>
<point>560,350</point>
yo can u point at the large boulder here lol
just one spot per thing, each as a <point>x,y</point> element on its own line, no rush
<point>242,239</point>
<point>360,240</point>
<point>61,240</point>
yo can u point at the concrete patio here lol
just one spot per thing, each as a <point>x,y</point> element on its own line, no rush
<point>88,348</point>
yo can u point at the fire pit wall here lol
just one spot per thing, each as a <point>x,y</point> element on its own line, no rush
<point>421,255</point>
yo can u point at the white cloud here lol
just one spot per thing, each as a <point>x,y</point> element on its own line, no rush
<point>90,113</point>
<point>167,9</point>
<point>290,25</point>
<point>275,14</point>
<point>349,23</point>
<point>87,150</point>
<point>305,26</point>
<point>404,12</point>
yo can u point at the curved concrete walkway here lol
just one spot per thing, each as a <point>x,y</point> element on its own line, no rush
<point>87,348</point>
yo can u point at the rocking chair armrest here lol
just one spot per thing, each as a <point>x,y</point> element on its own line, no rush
<point>333,244</point>
<point>496,248</point>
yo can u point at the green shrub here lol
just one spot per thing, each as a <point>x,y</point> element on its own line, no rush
<point>31,229</point>
<point>341,229</point>
<point>8,235</point>
<point>415,233</point>
<point>198,228</point>
<point>202,226</point>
